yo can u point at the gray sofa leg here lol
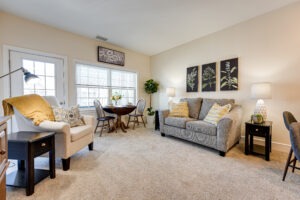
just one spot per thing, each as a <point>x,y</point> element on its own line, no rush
<point>162,134</point>
<point>222,153</point>
<point>66,163</point>
<point>91,146</point>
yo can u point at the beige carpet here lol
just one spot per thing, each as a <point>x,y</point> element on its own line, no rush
<point>143,165</point>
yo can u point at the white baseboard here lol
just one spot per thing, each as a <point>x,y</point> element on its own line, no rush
<point>275,145</point>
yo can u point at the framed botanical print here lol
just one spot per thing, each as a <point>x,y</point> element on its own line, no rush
<point>229,74</point>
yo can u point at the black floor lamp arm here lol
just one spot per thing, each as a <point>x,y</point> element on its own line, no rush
<point>12,72</point>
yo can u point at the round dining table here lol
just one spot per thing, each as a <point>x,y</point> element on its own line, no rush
<point>119,111</point>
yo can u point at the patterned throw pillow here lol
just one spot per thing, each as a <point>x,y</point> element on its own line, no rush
<point>216,113</point>
<point>180,109</point>
<point>71,116</point>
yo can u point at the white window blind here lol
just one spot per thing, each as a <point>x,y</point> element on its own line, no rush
<point>94,82</point>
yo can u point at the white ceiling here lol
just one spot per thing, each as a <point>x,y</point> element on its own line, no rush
<point>146,26</point>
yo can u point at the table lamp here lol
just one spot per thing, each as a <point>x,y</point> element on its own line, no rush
<point>261,91</point>
<point>170,93</point>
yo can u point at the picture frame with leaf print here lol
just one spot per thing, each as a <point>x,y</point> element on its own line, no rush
<point>192,79</point>
<point>229,75</point>
<point>209,77</point>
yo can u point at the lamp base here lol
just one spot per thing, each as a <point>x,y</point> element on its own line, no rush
<point>261,109</point>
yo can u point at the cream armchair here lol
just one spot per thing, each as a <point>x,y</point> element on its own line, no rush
<point>68,141</point>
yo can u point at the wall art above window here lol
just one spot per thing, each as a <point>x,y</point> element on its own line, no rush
<point>111,56</point>
<point>192,79</point>
<point>229,75</point>
<point>208,77</point>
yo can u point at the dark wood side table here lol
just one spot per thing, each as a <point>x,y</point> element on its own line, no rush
<point>24,147</point>
<point>260,130</point>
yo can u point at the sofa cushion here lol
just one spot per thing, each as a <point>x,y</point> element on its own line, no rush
<point>179,110</point>
<point>202,127</point>
<point>194,105</point>
<point>208,103</point>
<point>80,131</point>
<point>177,121</point>
<point>216,113</point>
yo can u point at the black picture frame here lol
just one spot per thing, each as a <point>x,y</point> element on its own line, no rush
<point>209,79</point>
<point>229,74</point>
<point>111,56</point>
<point>192,79</point>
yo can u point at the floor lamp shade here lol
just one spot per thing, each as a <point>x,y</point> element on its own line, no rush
<point>261,91</point>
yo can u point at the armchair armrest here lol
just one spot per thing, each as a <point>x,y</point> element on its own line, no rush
<point>89,120</point>
<point>229,129</point>
<point>61,127</point>
<point>162,115</point>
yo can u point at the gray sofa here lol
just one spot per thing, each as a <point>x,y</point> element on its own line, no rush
<point>221,137</point>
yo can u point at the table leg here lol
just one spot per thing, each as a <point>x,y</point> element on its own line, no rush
<point>52,159</point>
<point>251,143</point>
<point>247,141</point>
<point>29,172</point>
<point>267,146</point>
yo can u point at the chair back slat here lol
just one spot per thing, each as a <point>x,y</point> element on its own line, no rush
<point>99,110</point>
<point>140,106</point>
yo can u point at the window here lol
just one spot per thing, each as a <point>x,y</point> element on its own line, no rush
<point>94,82</point>
<point>46,73</point>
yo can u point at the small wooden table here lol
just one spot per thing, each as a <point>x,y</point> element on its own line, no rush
<point>24,147</point>
<point>119,111</point>
<point>260,130</point>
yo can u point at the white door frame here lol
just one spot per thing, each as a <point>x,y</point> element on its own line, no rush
<point>6,51</point>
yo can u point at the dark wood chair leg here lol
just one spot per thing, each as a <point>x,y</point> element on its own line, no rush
<point>162,134</point>
<point>143,121</point>
<point>66,163</point>
<point>134,123</point>
<point>96,127</point>
<point>294,164</point>
<point>101,128</point>
<point>91,146</point>
<point>287,164</point>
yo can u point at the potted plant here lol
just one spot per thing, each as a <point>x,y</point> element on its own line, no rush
<point>150,87</point>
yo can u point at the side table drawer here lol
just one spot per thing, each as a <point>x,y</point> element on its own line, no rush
<point>259,131</point>
<point>42,146</point>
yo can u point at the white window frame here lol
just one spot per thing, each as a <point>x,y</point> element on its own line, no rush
<point>105,66</point>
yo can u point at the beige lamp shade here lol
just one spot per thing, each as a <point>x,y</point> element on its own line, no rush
<point>261,91</point>
<point>170,92</point>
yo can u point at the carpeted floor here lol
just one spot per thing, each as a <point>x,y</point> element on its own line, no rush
<point>142,165</point>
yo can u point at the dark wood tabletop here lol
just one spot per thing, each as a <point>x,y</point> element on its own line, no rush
<point>119,110</point>
<point>29,136</point>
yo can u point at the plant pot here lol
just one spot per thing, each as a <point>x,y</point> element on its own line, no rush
<point>150,121</point>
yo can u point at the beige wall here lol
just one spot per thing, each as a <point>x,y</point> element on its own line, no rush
<point>19,32</point>
<point>268,48</point>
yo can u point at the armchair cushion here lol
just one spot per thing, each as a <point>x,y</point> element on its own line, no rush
<point>71,116</point>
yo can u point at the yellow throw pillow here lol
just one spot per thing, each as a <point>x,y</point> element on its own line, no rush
<point>180,109</point>
<point>216,113</point>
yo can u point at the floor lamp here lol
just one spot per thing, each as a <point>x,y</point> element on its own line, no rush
<point>27,75</point>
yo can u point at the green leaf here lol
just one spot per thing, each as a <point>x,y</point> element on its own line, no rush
<point>232,69</point>
<point>234,86</point>
<point>223,78</point>
<point>224,84</point>
<point>204,85</point>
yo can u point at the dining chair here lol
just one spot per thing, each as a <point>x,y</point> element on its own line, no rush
<point>101,117</point>
<point>139,112</point>
<point>288,119</point>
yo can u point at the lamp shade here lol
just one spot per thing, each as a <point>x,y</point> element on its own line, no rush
<point>170,92</point>
<point>261,91</point>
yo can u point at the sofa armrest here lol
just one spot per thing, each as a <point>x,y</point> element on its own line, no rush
<point>89,120</point>
<point>162,115</point>
<point>229,129</point>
